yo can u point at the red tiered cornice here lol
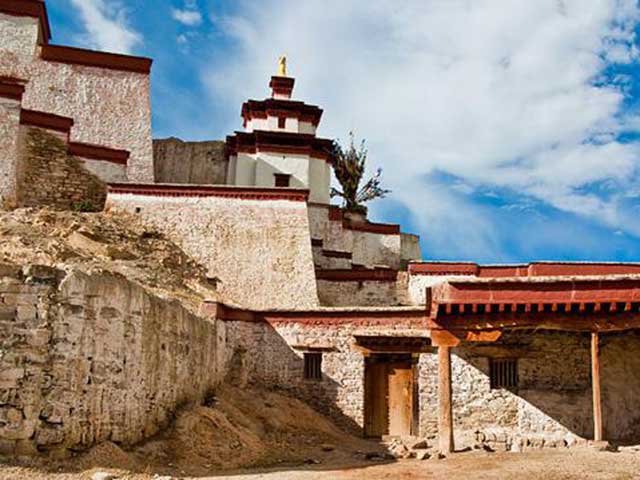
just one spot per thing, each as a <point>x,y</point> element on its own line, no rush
<point>279,142</point>
<point>282,86</point>
<point>281,108</point>
<point>535,269</point>
<point>481,310</point>
<point>91,58</point>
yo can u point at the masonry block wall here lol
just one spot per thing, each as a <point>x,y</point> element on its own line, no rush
<point>86,358</point>
<point>273,355</point>
<point>49,176</point>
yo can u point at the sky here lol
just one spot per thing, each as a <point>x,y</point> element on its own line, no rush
<point>507,130</point>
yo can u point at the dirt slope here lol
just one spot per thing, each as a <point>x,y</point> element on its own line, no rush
<point>119,244</point>
<point>239,428</point>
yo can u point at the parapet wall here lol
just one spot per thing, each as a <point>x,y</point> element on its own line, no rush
<point>255,243</point>
<point>86,358</point>
<point>196,163</point>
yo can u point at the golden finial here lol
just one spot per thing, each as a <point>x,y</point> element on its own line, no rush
<point>282,66</point>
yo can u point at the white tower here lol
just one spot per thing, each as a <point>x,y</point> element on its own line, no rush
<point>279,147</point>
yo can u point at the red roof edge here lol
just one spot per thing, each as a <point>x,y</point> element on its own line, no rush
<point>46,120</point>
<point>534,269</point>
<point>29,8</point>
<point>348,275</point>
<point>91,58</point>
<point>369,227</point>
<point>246,193</point>
<point>11,88</point>
<point>95,152</point>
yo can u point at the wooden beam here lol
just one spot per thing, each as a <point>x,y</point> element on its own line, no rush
<point>595,386</point>
<point>572,322</point>
<point>445,411</point>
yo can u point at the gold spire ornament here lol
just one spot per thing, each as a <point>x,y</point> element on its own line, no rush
<point>282,66</point>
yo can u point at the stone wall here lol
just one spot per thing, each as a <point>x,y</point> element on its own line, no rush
<point>86,358</point>
<point>175,161</point>
<point>551,406</point>
<point>552,403</point>
<point>360,293</point>
<point>258,251</point>
<point>49,176</point>
<point>111,108</point>
<point>9,142</point>
<point>108,172</point>
<point>272,355</point>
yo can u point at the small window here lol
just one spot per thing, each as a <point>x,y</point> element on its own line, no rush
<point>313,366</point>
<point>282,180</point>
<point>282,122</point>
<point>503,373</point>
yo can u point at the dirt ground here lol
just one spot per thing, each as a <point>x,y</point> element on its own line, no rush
<point>551,465</point>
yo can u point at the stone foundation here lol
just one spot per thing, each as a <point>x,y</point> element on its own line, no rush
<point>550,408</point>
<point>90,358</point>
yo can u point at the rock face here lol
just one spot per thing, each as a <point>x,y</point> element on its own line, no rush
<point>176,161</point>
<point>86,358</point>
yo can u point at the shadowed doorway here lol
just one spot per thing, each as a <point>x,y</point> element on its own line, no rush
<point>390,395</point>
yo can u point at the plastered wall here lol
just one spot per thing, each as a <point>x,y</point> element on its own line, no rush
<point>9,142</point>
<point>258,251</point>
<point>110,108</point>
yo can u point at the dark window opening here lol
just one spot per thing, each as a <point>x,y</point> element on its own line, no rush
<point>282,180</point>
<point>503,373</point>
<point>282,122</point>
<point>313,366</point>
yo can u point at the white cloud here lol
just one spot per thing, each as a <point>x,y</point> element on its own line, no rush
<point>189,15</point>
<point>507,94</point>
<point>106,26</point>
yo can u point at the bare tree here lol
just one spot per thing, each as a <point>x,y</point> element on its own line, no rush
<point>349,168</point>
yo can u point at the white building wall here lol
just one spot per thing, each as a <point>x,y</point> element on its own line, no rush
<point>268,164</point>
<point>245,170</point>
<point>110,108</point>
<point>319,177</point>
<point>19,35</point>
<point>307,128</point>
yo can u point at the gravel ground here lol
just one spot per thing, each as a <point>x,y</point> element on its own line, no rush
<point>546,465</point>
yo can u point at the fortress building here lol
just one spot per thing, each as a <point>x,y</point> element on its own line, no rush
<point>337,310</point>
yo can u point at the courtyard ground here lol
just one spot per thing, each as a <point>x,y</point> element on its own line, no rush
<point>544,465</point>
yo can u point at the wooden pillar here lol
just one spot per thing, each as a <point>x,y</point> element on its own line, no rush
<point>445,412</point>
<point>595,387</point>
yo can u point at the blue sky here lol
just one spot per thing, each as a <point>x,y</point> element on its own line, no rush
<point>508,130</point>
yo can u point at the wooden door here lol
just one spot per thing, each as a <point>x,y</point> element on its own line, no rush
<point>400,382</point>
<point>376,405</point>
<point>389,395</point>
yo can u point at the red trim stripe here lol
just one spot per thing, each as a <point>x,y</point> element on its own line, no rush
<point>46,120</point>
<point>246,193</point>
<point>91,58</point>
<point>95,152</point>
<point>347,275</point>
